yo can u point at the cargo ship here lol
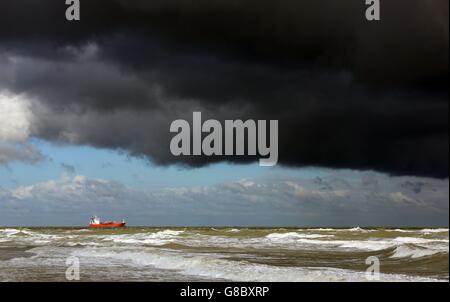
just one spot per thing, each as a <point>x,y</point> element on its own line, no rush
<point>97,223</point>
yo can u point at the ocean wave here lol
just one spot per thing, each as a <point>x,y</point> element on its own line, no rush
<point>401,231</point>
<point>358,229</point>
<point>354,229</point>
<point>169,233</point>
<point>424,246</point>
<point>9,231</point>
<point>425,231</point>
<point>78,231</point>
<point>15,232</point>
<point>416,240</point>
<point>223,269</point>
<point>434,230</point>
<point>71,243</point>
<point>288,240</point>
<point>250,255</point>
<point>405,251</point>
<point>158,238</point>
<point>294,235</point>
<point>27,237</point>
<point>233,231</point>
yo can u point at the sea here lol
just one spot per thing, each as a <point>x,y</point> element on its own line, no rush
<point>224,254</point>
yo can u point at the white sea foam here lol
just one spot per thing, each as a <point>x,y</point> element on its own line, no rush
<point>434,230</point>
<point>21,232</point>
<point>27,237</point>
<point>233,231</point>
<point>415,240</point>
<point>169,233</point>
<point>158,238</point>
<point>218,268</point>
<point>355,229</point>
<point>141,254</point>
<point>78,231</point>
<point>307,241</point>
<point>405,251</point>
<point>300,240</point>
<point>401,231</point>
<point>294,235</point>
<point>358,229</point>
<point>295,240</point>
<point>9,232</point>
<point>425,231</point>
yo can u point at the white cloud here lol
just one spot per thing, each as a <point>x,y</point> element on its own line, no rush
<point>18,152</point>
<point>325,201</point>
<point>15,118</point>
<point>15,126</point>
<point>306,193</point>
<point>400,197</point>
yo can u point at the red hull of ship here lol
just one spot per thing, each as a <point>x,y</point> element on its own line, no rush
<point>108,225</point>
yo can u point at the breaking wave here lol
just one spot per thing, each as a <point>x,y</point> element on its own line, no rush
<point>406,251</point>
<point>294,235</point>
<point>238,254</point>
<point>158,238</point>
<point>222,269</point>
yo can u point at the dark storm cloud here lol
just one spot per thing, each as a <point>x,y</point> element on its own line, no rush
<point>348,93</point>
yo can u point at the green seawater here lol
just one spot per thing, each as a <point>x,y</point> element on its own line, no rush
<point>219,254</point>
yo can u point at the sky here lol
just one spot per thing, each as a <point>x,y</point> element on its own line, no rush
<point>86,106</point>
